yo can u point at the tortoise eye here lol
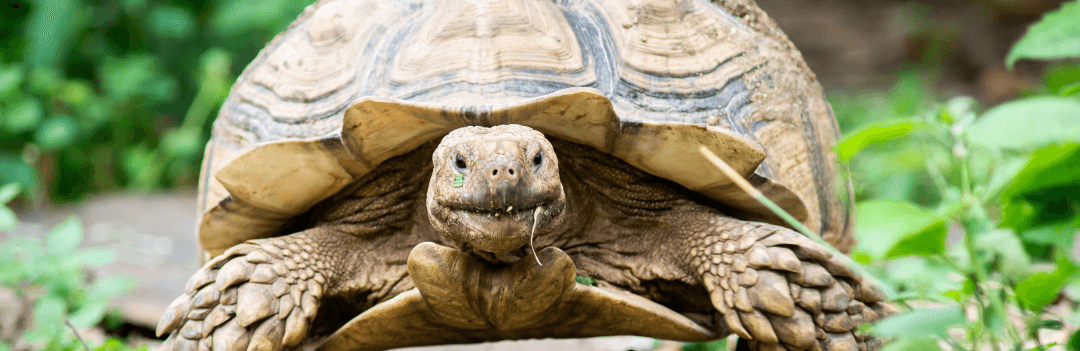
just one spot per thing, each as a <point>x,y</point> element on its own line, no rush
<point>460,162</point>
<point>538,159</point>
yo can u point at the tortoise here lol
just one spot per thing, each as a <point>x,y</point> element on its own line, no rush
<point>403,173</point>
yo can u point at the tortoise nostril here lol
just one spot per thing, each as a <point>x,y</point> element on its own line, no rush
<point>495,172</point>
<point>511,171</point>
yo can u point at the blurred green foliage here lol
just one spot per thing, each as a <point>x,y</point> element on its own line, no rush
<point>119,94</point>
<point>53,274</point>
<point>961,207</point>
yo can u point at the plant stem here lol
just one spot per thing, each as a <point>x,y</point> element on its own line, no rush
<point>77,336</point>
<point>757,195</point>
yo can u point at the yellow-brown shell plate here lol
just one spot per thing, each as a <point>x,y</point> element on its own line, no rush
<point>658,75</point>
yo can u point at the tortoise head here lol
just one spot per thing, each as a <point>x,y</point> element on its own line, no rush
<point>494,188</point>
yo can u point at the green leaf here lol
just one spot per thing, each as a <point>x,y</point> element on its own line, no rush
<point>8,220</point>
<point>45,79</point>
<point>77,93</point>
<point>1041,289</point>
<point>1074,342</point>
<point>65,237</point>
<point>134,6</point>
<point>10,79</point>
<point>8,192</point>
<point>1048,324</point>
<point>1058,77</point>
<point>1059,234</point>
<point>89,315</point>
<point>912,344</point>
<point>14,169</point>
<point>585,280</point>
<point>1013,261</point>
<point>51,30</point>
<point>1056,35</point>
<point>1049,167</point>
<point>920,323</point>
<point>106,288</point>
<point>715,345</point>
<point>1028,124</point>
<point>172,21</point>
<point>873,133</point>
<point>958,110</point>
<point>93,257</point>
<point>897,228</point>
<point>49,312</point>
<point>182,142</point>
<point>1070,90</point>
<point>1003,175</point>
<point>23,115</point>
<point>56,132</point>
<point>137,75</point>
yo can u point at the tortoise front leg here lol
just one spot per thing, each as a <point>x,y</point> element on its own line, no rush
<point>264,294</point>
<point>780,290</point>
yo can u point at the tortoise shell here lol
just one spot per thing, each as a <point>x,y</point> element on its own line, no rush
<point>352,83</point>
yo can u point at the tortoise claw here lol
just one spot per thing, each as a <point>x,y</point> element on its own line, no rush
<point>785,291</point>
<point>232,302</point>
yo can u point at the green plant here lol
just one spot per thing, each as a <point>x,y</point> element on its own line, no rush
<point>119,94</point>
<point>975,235</point>
<point>53,274</point>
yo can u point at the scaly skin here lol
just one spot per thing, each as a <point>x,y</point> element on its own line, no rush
<point>353,254</point>
<point>265,292</point>
<point>624,227</point>
<point>781,290</point>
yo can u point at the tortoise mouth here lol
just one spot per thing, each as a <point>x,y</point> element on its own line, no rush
<point>500,234</point>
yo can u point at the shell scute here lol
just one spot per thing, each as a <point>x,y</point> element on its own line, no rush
<point>354,82</point>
